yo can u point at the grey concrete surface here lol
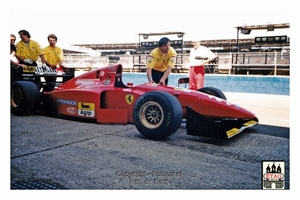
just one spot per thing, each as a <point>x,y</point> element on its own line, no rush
<point>270,109</point>
<point>77,155</point>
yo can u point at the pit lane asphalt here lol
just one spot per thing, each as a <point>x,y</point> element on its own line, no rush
<point>77,155</point>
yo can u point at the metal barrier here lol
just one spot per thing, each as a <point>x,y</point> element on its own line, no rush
<point>263,63</point>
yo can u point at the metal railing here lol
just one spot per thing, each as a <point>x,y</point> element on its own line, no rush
<point>228,63</point>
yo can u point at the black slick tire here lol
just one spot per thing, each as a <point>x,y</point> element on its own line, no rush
<point>157,114</point>
<point>24,98</point>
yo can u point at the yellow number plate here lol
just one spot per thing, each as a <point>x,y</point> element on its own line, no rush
<point>29,69</point>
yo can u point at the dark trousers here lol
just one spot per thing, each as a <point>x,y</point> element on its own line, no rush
<point>156,76</point>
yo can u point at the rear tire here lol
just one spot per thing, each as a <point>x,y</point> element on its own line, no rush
<point>24,98</point>
<point>157,114</point>
<point>213,91</point>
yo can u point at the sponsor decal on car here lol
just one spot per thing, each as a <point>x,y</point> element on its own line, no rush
<point>182,89</point>
<point>28,69</point>
<point>86,81</point>
<point>129,98</point>
<point>72,110</point>
<point>107,82</point>
<point>102,73</point>
<point>68,102</point>
<point>86,109</point>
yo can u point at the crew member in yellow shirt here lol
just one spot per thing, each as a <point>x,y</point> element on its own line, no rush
<point>28,50</point>
<point>160,62</point>
<point>53,58</point>
<point>53,54</point>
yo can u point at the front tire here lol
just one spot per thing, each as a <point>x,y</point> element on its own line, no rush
<point>157,114</point>
<point>24,98</point>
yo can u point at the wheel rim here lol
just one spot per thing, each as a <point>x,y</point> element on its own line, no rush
<point>15,98</point>
<point>151,115</point>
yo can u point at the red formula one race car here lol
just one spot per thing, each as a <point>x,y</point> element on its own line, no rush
<point>156,110</point>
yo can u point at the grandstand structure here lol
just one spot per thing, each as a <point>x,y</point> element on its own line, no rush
<point>218,45</point>
<point>259,55</point>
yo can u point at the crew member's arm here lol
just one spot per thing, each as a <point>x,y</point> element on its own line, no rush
<point>208,60</point>
<point>43,59</point>
<point>170,65</point>
<point>165,76</point>
<point>149,65</point>
<point>149,75</point>
<point>20,58</point>
<point>208,55</point>
<point>49,64</point>
<point>16,64</point>
<point>61,58</point>
<point>61,64</point>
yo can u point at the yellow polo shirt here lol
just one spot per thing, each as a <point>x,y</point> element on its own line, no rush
<point>53,55</point>
<point>160,62</point>
<point>31,50</point>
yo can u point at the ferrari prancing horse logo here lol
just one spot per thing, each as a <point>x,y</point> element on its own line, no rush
<point>129,98</point>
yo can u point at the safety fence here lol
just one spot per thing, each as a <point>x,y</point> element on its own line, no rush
<point>261,63</point>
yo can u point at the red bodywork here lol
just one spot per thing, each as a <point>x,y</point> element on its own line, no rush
<point>101,95</point>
